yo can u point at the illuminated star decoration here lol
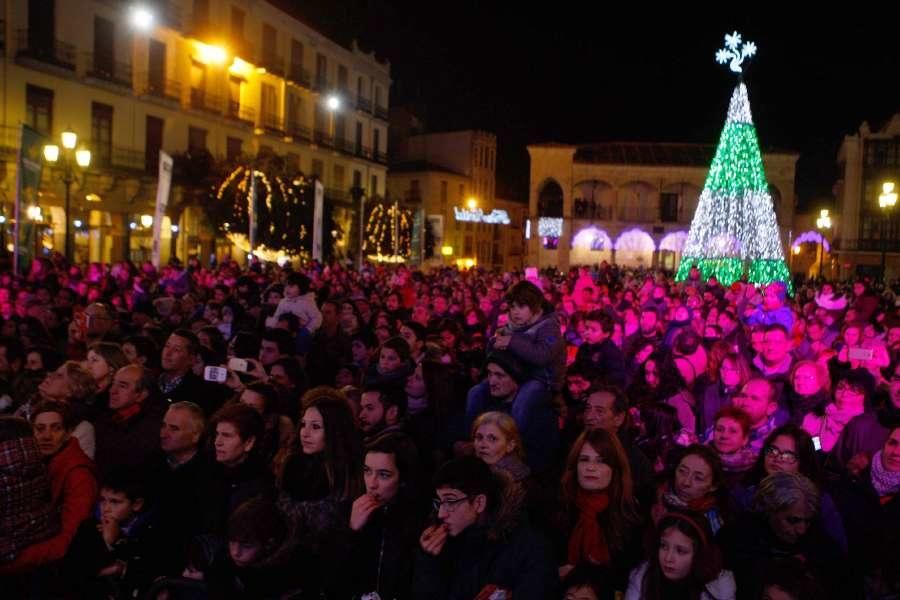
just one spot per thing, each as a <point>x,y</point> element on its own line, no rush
<point>735,53</point>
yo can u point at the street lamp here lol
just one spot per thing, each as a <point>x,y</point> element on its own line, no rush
<point>68,158</point>
<point>823,223</point>
<point>887,200</point>
<point>142,18</point>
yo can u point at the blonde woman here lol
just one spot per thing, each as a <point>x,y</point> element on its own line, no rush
<point>498,444</point>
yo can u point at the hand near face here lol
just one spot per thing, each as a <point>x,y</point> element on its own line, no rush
<point>362,509</point>
<point>501,342</point>
<point>110,530</point>
<point>433,539</point>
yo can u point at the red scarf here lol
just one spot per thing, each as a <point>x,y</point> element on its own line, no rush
<point>586,543</point>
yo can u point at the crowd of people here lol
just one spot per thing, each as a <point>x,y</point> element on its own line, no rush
<point>320,432</point>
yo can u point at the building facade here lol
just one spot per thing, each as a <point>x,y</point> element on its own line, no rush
<point>628,203</point>
<point>451,177</point>
<point>863,230</point>
<point>231,78</point>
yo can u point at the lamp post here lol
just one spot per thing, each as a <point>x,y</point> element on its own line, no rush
<point>887,200</point>
<point>68,158</point>
<point>823,223</point>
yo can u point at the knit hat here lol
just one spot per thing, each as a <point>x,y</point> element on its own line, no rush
<point>509,363</point>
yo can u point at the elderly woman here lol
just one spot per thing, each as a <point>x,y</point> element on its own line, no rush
<point>783,524</point>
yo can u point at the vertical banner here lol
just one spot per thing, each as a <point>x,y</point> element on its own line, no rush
<point>28,181</point>
<point>162,200</point>
<point>417,241</point>
<point>318,216</point>
<point>251,212</point>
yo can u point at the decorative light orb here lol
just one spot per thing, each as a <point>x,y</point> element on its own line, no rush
<point>147,220</point>
<point>333,103</point>
<point>142,18</point>
<point>69,139</point>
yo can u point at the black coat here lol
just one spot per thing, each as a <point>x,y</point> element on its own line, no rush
<point>606,359</point>
<point>192,388</point>
<point>129,444</point>
<point>229,487</point>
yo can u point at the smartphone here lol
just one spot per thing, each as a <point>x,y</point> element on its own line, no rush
<point>238,364</point>
<point>217,374</point>
<point>860,354</point>
<point>817,443</point>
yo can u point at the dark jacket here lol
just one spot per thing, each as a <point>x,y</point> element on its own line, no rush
<point>192,388</point>
<point>864,433</point>
<point>799,406</point>
<point>127,444</point>
<point>715,397</point>
<point>229,487</point>
<point>606,358</point>
<point>502,551</point>
<point>542,347</point>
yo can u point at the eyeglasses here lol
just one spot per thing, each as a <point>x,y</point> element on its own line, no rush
<point>785,456</point>
<point>846,387</point>
<point>448,504</point>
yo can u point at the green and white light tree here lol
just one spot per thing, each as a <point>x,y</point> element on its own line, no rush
<point>735,231</point>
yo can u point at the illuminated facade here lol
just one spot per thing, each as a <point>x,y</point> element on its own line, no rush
<point>231,78</point>
<point>628,203</point>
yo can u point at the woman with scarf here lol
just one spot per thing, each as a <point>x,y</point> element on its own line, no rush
<point>697,484</point>
<point>870,505</point>
<point>731,440</point>
<point>808,390</point>
<point>598,508</point>
<point>849,401</point>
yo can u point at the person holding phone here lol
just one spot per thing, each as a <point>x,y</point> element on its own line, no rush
<point>850,395</point>
<point>859,352</point>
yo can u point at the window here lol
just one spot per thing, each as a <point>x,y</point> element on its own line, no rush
<point>340,130</point>
<point>321,70</point>
<point>104,48</point>
<point>318,168</point>
<point>359,87</point>
<point>153,143</point>
<point>39,109</point>
<point>269,40</point>
<point>415,192</point>
<point>237,24</point>
<point>198,84</point>
<point>359,137</point>
<point>233,149</point>
<point>467,249</point>
<point>234,96</point>
<point>295,112</point>
<point>101,132</point>
<point>156,69</point>
<point>462,191</point>
<point>374,191</point>
<point>343,78</point>
<point>377,96</point>
<point>668,207</point>
<point>196,139</point>
<point>296,60</point>
<point>268,105</point>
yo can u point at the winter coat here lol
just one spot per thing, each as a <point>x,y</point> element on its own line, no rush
<point>208,395</point>
<point>828,427</point>
<point>305,308</point>
<point>864,433</point>
<point>801,406</point>
<point>542,347</point>
<point>720,588</point>
<point>229,487</point>
<point>715,397</point>
<point>26,513</point>
<point>782,316</point>
<point>73,487</point>
<point>502,551</point>
<point>128,444</point>
<point>606,358</point>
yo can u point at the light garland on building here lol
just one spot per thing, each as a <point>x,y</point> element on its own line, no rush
<point>386,224</point>
<point>550,227</point>
<point>735,229</point>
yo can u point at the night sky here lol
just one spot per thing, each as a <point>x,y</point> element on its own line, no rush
<point>576,74</point>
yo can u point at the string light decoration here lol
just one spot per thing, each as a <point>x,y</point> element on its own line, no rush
<point>284,211</point>
<point>385,224</point>
<point>735,231</point>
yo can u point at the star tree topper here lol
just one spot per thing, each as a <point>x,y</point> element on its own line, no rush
<point>735,52</point>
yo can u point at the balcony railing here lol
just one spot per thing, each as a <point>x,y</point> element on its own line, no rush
<point>364,104</point>
<point>240,112</point>
<point>299,75</point>
<point>323,138</point>
<point>167,89</point>
<point>202,100</point>
<point>343,145</point>
<point>363,152</point>
<point>298,132</point>
<point>336,194</point>
<point>272,64</point>
<point>381,157</point>
<point>381,113</point>
<point>270,122</point>
<point>47,50</point>
<point>107,69</point>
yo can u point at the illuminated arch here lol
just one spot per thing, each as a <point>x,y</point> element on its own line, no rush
<point>674,241</point>
<point>811,237</point>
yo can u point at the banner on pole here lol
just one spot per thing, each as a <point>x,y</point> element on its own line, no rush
<point>162,200</point>
<point>28,181</point>
<point>318,217</point>
<point>251,212</point>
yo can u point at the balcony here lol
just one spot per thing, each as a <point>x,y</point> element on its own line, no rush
<point>160,88</point>
<point>381,113</point>
<point>272,64</point>
<point>240,112</point>
<point>202,100</point>
<point>107,70</point>
<point>363,152</point>
<point>323,138</point>
<point>343,145</point>
<point>363,104</point>
<point>33,46</point>
<point>299,75</point>
<point>298,132</point>
<point>381,157</point>
<point>271,123</point>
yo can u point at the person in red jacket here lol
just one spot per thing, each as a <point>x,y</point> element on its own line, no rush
<point>73,485</point>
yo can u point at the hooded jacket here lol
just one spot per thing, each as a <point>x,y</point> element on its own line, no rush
<point>304,307</point>
<point>542,346</point>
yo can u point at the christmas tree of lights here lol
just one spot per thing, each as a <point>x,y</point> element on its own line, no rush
<point>734,231</point>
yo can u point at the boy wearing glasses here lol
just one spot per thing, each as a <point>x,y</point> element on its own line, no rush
<point>479,542</point>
